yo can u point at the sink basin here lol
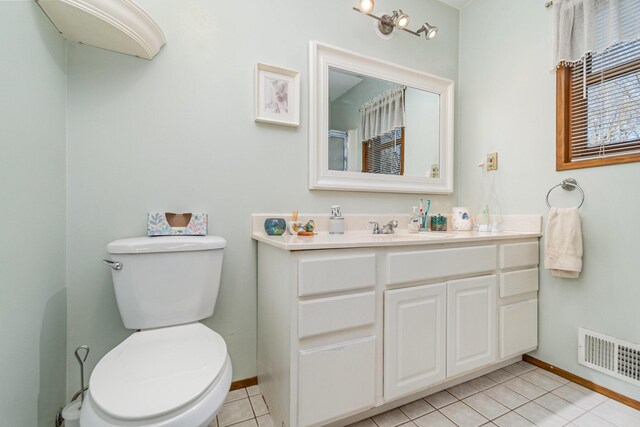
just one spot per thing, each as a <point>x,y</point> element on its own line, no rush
<point>434,235</point>
<point>414,236</point>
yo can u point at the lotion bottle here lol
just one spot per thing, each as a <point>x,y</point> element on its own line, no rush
<point>414,221</point>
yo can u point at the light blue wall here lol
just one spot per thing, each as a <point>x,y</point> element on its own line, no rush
<point>32,199</point>
<point>177,133</point>
<point>507,93</point>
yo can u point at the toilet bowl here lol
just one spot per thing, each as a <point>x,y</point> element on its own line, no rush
<point>175,376</point>
<point>174,371</point>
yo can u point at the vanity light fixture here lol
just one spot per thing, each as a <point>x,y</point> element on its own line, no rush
<point>429,31</point>
<point>400,19</point>
<point>365,6</point>
<point>397,19</point>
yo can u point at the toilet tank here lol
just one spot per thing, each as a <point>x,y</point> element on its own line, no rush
<point>166,280</point>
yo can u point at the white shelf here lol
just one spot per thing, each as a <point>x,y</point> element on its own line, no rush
<point>117,25</point>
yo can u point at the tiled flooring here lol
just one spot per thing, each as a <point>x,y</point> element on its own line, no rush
<point>243,408</point>
<point>517,395</point>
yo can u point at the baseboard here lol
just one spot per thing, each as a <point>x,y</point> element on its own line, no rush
<point>585,383</point>
<point>244,383</point>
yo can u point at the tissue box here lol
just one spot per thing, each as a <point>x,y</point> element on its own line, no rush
<point>173,224</point>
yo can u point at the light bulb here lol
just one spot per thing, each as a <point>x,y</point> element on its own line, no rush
<point>430,31</point>
<point>401,19</point>
<point>366,6</point>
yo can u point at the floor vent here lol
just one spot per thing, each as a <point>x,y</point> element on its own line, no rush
<point>613,356</point>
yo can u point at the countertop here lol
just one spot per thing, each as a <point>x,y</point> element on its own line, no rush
<point>365,239</point>
<point>358,233</point>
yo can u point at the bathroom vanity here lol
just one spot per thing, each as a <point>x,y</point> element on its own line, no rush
<point>355,324</point>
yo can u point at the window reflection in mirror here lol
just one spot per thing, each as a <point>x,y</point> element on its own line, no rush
<point>378,126</point>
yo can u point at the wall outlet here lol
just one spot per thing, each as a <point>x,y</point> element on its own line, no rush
<point>435,171</point>
<point>492,162</point>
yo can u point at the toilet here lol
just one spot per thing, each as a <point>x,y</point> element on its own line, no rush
<point>173,371</point>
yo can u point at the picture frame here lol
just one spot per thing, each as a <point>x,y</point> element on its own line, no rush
<point>277,95</point>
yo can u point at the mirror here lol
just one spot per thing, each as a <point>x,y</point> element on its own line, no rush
<point>377,126</point>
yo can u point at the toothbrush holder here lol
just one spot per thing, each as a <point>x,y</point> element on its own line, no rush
<point>424,223</point>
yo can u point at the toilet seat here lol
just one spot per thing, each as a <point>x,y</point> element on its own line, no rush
<point>157,372</point>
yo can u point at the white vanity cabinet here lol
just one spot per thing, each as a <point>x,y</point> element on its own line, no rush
<point>342,332</point>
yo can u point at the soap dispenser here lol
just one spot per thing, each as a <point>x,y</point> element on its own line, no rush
<point>414,221</point>
<point>336,220</point>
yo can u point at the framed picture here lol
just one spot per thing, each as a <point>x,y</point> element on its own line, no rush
<point>277,95</point>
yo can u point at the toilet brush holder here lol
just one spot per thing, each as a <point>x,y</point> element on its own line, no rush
<point>71,414</point>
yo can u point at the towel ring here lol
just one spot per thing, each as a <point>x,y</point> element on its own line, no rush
<point>568,184</point>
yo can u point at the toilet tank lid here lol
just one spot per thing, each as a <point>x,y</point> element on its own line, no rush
<point>142,245</point>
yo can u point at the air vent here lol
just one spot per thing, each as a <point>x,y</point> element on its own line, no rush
<point>613,356</point>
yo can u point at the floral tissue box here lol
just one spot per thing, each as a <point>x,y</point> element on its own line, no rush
<point>173,224</point>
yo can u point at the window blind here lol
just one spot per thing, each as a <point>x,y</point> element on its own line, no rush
<point>384,153</point>
<point>604,92</point>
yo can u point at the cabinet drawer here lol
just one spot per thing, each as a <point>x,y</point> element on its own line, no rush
<point>516,255</point>
<point>335,313</point>
<point>518,282</point>
<point>336,380</point>
<point>436,264</point>
<point>322,274</point>
<point>518,328</point>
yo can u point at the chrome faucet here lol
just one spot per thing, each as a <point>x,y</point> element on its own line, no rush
<point>386,229</point>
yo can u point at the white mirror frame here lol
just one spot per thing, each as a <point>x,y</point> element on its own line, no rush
<point>323,56</point>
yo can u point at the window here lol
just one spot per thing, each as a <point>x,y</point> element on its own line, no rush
<point>598,109</point>
<point>384,153</point>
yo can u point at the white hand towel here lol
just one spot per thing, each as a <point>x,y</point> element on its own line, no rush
<point>563,243</point>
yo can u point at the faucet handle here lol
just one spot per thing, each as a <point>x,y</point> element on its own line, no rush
<point>376,227</point>
<point>389,227</point>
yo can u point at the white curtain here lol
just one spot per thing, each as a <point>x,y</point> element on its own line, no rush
<point>592,26</point>
<point>383,114</point>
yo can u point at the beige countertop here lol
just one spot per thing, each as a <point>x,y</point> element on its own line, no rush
<point>364,239</point>
<point>516,227</point>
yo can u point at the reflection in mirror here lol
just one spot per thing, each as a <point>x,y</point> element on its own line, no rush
<point>378,126</point>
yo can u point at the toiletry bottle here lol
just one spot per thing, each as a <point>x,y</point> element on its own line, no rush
<point>414,221</point>
<point>336,221</point>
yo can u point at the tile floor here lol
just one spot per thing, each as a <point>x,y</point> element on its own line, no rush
<point>243,408</point>
<point>517,395</point>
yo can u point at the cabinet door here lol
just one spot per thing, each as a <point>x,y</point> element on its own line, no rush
<point>414,338</point>
<point>336,381</point>
<point>518,328</point>
<point>471,324</point>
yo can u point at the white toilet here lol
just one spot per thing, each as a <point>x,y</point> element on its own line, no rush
<point>174,371</point>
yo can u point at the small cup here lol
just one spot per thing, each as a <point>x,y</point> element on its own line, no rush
<point>438,223</point>
<point>424,223</point>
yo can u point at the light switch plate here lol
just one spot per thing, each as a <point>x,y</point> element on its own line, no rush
<point>492,161</point>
